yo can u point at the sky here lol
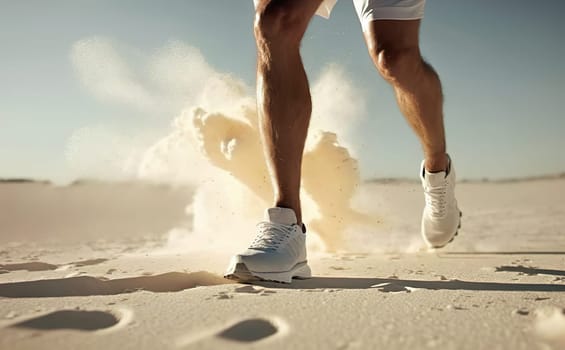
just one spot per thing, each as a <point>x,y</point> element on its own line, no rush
<point>501,64</point>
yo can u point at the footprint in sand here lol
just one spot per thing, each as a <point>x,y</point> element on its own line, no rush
<point>35,266</point>
<point>81,320</point>
<point>245,331</point>
<point>250,330</point>
<point>89,262</point>
<point>31,267</point>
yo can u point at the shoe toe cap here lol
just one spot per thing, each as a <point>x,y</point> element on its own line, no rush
<point>437,233</point>
<point>438,240</point>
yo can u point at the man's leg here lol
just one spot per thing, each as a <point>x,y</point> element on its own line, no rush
<point>283,95</point>
<point>394,48</point>
<point>393,45</point>
<point>278,252</point>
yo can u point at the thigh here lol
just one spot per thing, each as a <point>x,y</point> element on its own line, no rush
<point>287,17</point>
<point>392,34</point>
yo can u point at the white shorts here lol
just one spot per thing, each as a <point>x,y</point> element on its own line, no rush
<point>370,10</point>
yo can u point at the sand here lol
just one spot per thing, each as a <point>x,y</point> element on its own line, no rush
<point>99,265</point>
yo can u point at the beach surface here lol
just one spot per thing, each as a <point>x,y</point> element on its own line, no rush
<point>99,265</point>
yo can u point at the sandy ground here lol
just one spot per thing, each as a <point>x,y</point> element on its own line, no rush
<point>93,266</point>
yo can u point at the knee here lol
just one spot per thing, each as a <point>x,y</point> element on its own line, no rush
<point>279,23</point>
<point>397,65</point>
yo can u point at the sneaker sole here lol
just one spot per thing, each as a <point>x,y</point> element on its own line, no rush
<point>241,273</point>
<point>455,235</point>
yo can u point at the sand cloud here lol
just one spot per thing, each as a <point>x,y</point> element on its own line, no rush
<point>337,105</point>
<point>160,82</point>
<point>214,133</point>
<point>168,83</point>
<point>106,73</point>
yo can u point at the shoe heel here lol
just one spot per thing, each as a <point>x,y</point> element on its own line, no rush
<point>303,272</point>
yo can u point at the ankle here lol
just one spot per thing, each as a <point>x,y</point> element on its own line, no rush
<point>437,163</point>
<point>294,206</point>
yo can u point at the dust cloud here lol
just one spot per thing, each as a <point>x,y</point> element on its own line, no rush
<point>214,145</point>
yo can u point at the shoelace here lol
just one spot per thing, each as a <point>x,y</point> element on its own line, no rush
<point>271,235</point>
<point>435,200</point>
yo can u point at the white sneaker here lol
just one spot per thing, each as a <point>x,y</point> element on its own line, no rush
<point>278,252</point>
<point>441,219</point>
